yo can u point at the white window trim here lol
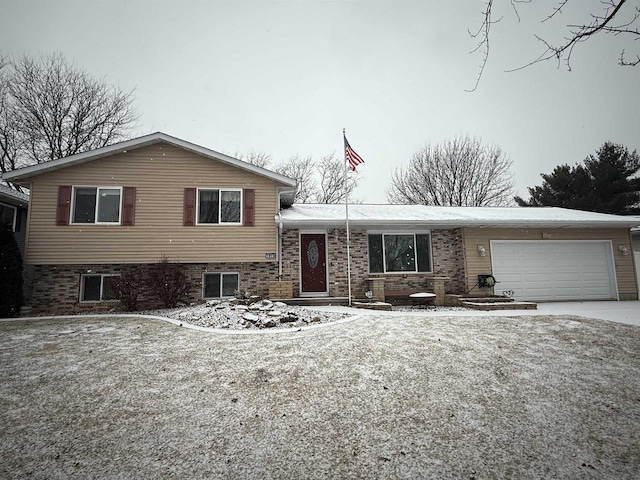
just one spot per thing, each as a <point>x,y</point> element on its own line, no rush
<point>220,222</point>
<point>95,218</point>
<point>384,258</point>
<point>15,214</point>
<point>204,274</point>
<point>102,276</point>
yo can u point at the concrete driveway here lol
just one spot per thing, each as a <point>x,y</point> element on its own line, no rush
<point>621,312</point>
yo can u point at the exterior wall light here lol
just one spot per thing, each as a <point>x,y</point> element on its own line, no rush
<point>482,251</point>
<point>624,249</point>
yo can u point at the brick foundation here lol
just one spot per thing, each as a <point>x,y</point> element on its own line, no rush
<point>56,288</point>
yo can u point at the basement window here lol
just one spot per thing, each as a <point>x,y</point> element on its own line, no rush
<point>219,285</point>
<point>99,288</point>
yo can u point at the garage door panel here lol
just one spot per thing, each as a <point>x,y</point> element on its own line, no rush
<point>554,270</point>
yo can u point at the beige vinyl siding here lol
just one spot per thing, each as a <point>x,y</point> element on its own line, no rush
<point>160,174</point>
<point>476,264</point>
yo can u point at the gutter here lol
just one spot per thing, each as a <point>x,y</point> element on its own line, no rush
<point>460,223</point>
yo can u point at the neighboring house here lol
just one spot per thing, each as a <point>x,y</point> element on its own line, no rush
<point>232,227</point>
<point>635,238</point>
<point>13,212</point>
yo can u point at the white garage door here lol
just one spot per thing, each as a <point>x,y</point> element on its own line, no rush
<point>554,270</point>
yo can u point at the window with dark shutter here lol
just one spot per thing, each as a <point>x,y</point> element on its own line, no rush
<point>64,203</point>
<point>189,217</point>
<point>129,206</point>
<point>248,214</point>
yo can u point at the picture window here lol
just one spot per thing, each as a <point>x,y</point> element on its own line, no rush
<point>399,253</point>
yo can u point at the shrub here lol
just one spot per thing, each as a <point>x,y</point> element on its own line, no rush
<point>11,298</point>
<point>167,281</point>
<point>130,285</point>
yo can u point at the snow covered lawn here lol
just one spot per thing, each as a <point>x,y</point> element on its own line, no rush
<point>380,397</point>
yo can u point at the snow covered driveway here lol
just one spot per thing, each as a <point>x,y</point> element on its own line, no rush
<point>380,397</point>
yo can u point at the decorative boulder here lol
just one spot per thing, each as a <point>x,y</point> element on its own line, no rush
<point>250,317</point>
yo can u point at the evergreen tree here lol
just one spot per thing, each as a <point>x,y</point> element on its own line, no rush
<point>11,298</point>
<point>606,183</point>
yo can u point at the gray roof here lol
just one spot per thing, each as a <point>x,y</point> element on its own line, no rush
<point>9,195</point>
<point>415,216</point>
<point>23,174</point>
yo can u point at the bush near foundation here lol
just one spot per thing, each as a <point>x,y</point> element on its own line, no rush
<point>167,281</point>
<point>130,285</point>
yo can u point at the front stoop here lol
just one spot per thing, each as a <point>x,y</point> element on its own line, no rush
<point>487,306</point>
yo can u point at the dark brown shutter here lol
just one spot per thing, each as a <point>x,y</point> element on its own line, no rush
<point>249,205</point>
<point>189,217</point>
<point>129,206</point>
<point>64,205</point>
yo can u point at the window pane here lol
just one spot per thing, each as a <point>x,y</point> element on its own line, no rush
<point>84,209</point>
<point>6,215</point>
<point>91,288</point>
<point>422,250</point>
<point>110,287</point>
<point>375,254</point>
<point>229,284</point>
<point>109,205</point>
<point>211,285</point>
<point>208,211</point>
<point>399,253</point>
<point>230,206</point>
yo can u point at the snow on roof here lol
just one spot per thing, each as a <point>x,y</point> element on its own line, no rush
<point>23,174</point>
<point>10,193</point>
<point>432,217</point>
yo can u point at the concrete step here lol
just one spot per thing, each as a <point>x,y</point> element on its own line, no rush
<point>313,301</point>
<point>488,306</point>
<point>487,299</point>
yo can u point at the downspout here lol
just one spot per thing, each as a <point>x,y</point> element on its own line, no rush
<point>280,227</point>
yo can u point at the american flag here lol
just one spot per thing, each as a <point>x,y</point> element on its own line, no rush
<point>353,158</point>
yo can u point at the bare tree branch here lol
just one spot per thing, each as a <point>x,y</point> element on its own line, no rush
<point>331,185</point>
<point>49,109</point>
<point>601,23</point>
<point>459,172</point>
<point>259,159</point>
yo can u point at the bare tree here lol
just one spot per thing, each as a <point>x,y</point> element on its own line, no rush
<point>319,181</point>
<point>259,159</point>
<point>617,17</point>
<point>302,169</point>
<point>331,181</point>
<point>460,172</point>
<point>10,141</point>
<point>49,109</point>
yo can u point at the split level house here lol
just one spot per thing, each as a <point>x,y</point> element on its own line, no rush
<point>233,227</point>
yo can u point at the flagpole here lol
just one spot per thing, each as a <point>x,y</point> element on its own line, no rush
<point>346,206</point>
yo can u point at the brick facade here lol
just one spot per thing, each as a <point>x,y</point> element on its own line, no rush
<point>56,288</point>
<point>447,257</point>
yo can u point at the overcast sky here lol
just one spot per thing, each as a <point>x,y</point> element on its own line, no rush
<point>286,77</point>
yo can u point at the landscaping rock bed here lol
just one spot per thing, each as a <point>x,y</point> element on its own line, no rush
<point>247,314</point>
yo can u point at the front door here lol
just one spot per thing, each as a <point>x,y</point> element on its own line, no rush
<point>313,261</point>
